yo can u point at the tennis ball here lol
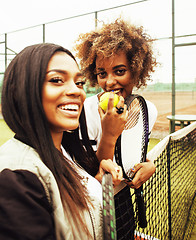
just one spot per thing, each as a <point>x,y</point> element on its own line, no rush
<point>103,101</point>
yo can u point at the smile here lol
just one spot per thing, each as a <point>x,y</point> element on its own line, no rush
<point>70,107</point>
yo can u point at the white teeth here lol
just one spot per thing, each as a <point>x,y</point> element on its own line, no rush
<point>73,107</point>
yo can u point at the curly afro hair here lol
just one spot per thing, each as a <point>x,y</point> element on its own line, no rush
<point>111,39</point>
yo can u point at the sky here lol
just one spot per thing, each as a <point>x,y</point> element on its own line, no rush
<point>22,13</point>
<point>154,15</point>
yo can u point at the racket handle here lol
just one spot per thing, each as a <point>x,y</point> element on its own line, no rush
<point>109,219</point>
<point>141,207</point>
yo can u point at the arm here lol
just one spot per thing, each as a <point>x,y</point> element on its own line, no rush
<point>112,126</point>
<point>145,170</point>
<point>25,210</point>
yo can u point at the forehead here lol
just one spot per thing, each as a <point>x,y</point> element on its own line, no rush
<point>61,60</point>
<point>114,60</point>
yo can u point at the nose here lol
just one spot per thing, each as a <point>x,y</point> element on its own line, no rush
<point>110,81</point>
<point>72,89</point>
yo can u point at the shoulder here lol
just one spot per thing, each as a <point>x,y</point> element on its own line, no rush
<point>93,120</point>
<point>24,203</point>
<point>151,107</point>
<point>152,114</point>
<point>92,114</point>
<point>19,181</point>
<point>91,103</point>
<point>15,155</point>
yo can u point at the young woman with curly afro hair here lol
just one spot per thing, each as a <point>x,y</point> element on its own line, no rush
<point>118,57</point>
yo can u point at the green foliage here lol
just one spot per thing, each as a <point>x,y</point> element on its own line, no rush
<point>152,143</point>
<point>167,87</point>
<point>1,82</point>
<point>6,133</point>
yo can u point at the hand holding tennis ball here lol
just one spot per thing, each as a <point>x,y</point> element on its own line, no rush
<point>103,101</point>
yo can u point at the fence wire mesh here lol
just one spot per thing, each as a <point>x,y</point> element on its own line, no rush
<point>170,192</point>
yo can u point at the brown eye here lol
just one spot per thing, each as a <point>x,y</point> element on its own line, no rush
<point>120,72</point>
<point>80,84</point>
<point>56,80</point>
<point>102,74</point>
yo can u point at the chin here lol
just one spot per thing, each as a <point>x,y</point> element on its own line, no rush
<point>73,126</point>
<point>68,124</point>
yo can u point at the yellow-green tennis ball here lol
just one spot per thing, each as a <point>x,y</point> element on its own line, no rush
<point>103,101</point>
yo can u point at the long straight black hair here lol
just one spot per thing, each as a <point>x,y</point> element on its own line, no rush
<point>23,112</point>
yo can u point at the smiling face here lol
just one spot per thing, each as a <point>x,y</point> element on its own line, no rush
<point>113,73</point>
<point>63,94</point>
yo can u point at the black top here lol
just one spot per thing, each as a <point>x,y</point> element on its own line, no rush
<point>25,212</point>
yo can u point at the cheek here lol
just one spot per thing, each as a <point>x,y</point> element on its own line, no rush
<point>127,80</point>
<point>47,106</point>
<point>83,96</point>
<point>48,98</point>
<point>101,82</point>
<point>51,94</point>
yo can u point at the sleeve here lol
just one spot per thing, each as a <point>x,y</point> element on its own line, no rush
<point>152,114</point>
<point>25,212</point>
<point>93,121</point>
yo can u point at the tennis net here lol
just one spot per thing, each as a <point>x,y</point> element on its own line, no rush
<point>170,193</point>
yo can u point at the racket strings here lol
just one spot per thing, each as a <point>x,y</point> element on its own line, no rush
<point>133,114</point>
<point>136,115</point>
<point>145,129</point>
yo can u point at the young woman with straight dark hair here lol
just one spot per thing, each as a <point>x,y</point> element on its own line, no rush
<point>44,193</point>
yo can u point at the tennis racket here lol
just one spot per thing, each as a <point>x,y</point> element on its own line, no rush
<point>131,147</point>
<point>109,220</point>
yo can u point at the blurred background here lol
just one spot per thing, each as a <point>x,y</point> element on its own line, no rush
<point>172,89</point>
<point>171,23</point>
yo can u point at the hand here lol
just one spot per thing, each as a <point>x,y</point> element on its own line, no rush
<point>111,167</point>
<point>143,171</point>
<point>112,122</point>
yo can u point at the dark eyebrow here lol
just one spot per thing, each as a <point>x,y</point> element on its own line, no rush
<point>115,67</point>
<point>79,74</point>
<point>119,66</point>
<point>101,69</point>
<point>57,70</point>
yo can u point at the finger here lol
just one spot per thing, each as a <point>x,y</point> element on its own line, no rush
<point>130,184</point>
<point>137,180</point>
<point>134,184</point>
<point>125,110</point>
<point>111,101</point>
<point>117,174</point>
<point>117,178</point>
<point>121,102</point>
<point>137,167</point>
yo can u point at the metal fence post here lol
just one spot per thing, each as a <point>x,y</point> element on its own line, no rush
<point>5,50</point>
<point>169,189</point>
<point>96,19</point>
<point>173,66</point>
<point>44,33</point>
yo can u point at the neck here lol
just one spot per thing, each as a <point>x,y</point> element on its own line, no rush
<point>57,139</point>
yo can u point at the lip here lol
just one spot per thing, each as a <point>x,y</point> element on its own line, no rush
<point>71,108</point>
<point>117,91</point>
